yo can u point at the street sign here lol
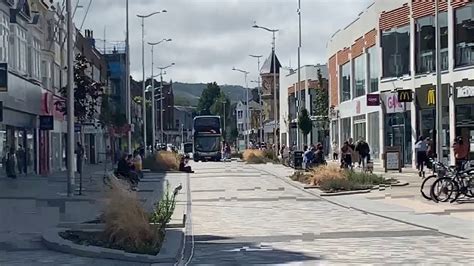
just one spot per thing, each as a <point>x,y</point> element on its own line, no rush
<point>77,127</point>
<point>46,122</point>
<point>405,96</point>
<point>373,99</point>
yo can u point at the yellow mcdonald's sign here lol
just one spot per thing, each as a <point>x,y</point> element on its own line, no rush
<point>405,96</point>
<point>431,98</point>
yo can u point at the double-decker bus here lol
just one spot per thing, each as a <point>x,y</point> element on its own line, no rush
<point>207,135</point>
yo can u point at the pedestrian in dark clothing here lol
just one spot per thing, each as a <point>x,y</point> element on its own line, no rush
<point>319,155</point>
<point>363,149</point>
<point>79,157</point>
<point>11,163</point>
<point>346,155</point>
<point>21,159</point>
<point>183,167</point>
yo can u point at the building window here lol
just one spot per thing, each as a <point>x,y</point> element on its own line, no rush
<point>20,52</point>
<point>240,114</point>
<point>359,127</point>
<point>396,52</point>
<point>374,134</point>
<point>359,76</point>
<point>345,82</point>
<point>464,36</point>
<point>345,129</point>
<point>177,124</point>
<point>425,43</point>
<point>4,35</point>
<point>35,59</point>
<point>373,69</point>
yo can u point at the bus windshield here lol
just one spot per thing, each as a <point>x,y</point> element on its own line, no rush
<point>207,143</point>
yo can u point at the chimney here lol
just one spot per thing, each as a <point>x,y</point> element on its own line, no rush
<point>89,34</point>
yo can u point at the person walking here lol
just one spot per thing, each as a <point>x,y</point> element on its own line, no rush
<point>11,163</point>
<point>335,151</point>
<point>354,156</point>
<point>346,156</point>
<point>138,162</point>
<point>21,159</point>
<point>319,155</point>
<point>363,150</point>
<point>79,156</point>
<point>421,148</point>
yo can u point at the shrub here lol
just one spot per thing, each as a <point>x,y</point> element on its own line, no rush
<point>254,159</point>
<point>342,184</point>
<point>301,176</point>
<point>365,178</point>
<point>270,154</point>
<point>164,208</point>
<point>162,161</point>
<point>248,153</point>
<point>324,173</point>
<point>127,225</point>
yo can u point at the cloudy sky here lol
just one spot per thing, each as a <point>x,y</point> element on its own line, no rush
<point>212,36</point>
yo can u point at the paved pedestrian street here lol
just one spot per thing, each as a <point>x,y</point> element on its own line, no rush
<point>242,214</point>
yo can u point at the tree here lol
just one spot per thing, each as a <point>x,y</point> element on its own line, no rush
<point>87,93</point>
<point>208,98</point>
<point>321,102</point>
<point>305,123</point>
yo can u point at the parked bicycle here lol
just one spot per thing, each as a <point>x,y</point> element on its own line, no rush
<point>448,183</point>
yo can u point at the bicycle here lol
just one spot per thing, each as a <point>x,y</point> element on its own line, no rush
<point>439,170</point>
<point>452,185</point>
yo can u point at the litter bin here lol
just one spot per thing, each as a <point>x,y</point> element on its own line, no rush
<point>296,159</point>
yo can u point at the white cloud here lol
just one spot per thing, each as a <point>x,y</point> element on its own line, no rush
<point>212,36</point>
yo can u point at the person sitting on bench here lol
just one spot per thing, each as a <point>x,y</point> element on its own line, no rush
<point>183,167</point>
<point>125,169</point>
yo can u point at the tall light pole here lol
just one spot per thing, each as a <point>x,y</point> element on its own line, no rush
<point>143,17</point>
<point>153,111</point>
<point>439,107</point>
<point>246,106</point>
<point>275,104</point>
<point>161,100</point>
<point>259,96</point>
<point>70,99</point>
<point>298,99</point>
<point>128,102</point>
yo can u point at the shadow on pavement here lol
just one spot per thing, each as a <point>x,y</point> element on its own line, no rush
<point>210,249</point>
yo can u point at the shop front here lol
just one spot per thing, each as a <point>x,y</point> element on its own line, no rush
<point>18,130</point>
<point>426,114</point>
<point>397,125</point>
<point>464,108</point>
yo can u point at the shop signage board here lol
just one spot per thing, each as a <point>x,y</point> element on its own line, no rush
<point>405,96</point>
<point>392,159</point>
<point>465,92</point>
<point>373,99</point>
<point>46,122</point>
<point>392,104</point>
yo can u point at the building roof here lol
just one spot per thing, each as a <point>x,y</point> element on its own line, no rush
<point>267,67</point>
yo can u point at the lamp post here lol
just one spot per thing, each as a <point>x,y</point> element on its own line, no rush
<point>153,111</point>
<point>161,100</point>
<point>439,107</point>
<point>70,99</point>
<point>259,96</point>
<point>246,106</point>
<point>275,106</point>
<point>143,17</point>
<point>127,83</point>
<point>298,99</point>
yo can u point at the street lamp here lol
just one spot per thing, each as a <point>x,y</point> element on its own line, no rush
<point>161,100</point>
<point>143,17</point>
<point>275,107</point>
<point>259,95</point>
<point>153,122</point>
<point>247,105</point>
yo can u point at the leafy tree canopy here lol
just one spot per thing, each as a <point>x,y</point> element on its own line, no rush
<point>208,98</point>
<point>304,122</point>
<point>87,93</point>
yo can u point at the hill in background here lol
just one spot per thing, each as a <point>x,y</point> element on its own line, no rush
<point>189,93</point>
